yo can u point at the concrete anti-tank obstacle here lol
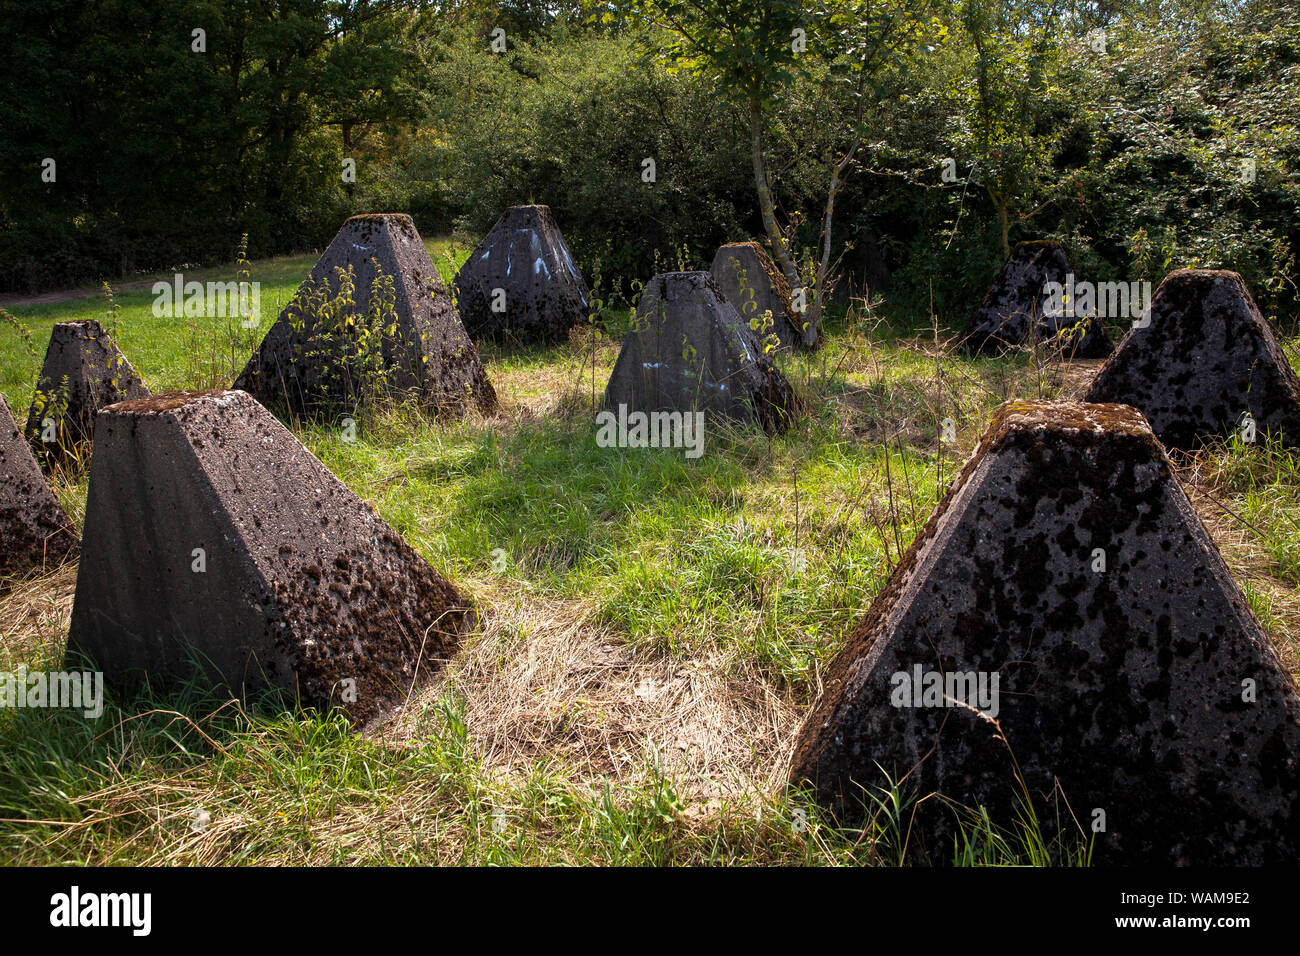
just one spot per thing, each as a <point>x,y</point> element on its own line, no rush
<point>310,368</point>
<point>521,286</point>
<point>1203,364</point>
<point>216,545</point>
<point>35,532</point>
<point>1016,307</point>
<point>751,282</point>
<point>689,350</point>
<point>83,371</point>
<point>1065,605</point>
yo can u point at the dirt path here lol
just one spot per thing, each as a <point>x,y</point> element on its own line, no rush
<point>15,301</point>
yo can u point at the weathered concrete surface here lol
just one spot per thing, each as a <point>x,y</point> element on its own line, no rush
<point>1014,304</point>
<point>689,350</point>
<point>1123,687</point>
<point>305,368</point>
<point>34,530</point>
<point>83,371</point>
<point>1207,358</point>
<point>751,282</point>
<point>305,587</point>
<point>543,294</point>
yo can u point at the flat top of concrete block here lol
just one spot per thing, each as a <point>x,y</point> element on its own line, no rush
<point>1073,418</point>
<point>170,401</point>
<point>1033,245</point>
<point>1226,275</point>
<point>91,326</point>
<point>82,329</point>
<point>379,217</point>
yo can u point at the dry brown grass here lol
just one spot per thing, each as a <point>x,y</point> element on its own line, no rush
<point>34,613</point>
<point>545,684</point>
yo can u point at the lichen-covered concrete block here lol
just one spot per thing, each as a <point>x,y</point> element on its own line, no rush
<point>35,533</point>
<point>310,368</point>
<point>1014,305</point>
<point>83,371</point>
<point>1204,360</point>
<point>689,350</point>
<point>521,286</point>
<point>751,282</point>
<point>214,539</point>
<point>1067,573</point>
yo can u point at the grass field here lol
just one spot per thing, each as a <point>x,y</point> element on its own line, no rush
<point>652,630</point>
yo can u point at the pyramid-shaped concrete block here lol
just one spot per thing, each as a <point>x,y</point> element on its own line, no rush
<point>521,286</point>
<point>214,539</point>
<point>1201,362</point>
<point>34,530</point>
<point>1016,304</point>
<point>1065,605</point>
<point>751,282</point>
<point>83,371</point>
<point>689,350</point>
<point>311,369</point>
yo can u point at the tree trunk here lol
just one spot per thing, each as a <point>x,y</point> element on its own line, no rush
<point>780,252</point>
<point>1003,223</point>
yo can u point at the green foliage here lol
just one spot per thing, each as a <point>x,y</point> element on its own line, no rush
<point>24,333</point>
<point>1129,151</point>
<point>573,120</point>
<point>164,153</point>
<point>342,354</point>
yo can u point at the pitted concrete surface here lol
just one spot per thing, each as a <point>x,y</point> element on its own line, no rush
<point>34,530</point>
<point>1013,307</point>
<point>542,295</point>
<point>304,586</point>
<point>689,350</point>
<point>429,356</point>
<point>1119,690</point>
<point>1207,359</point>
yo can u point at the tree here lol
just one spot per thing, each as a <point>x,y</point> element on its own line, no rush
<point>1010,131</point>
<point>756,49</point>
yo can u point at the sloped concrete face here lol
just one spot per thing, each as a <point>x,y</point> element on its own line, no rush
<point>1014,306</point>
<point>310,371</point>
<point>689,350</point>
<point>752,283</point>
<point>84,371</point>
<point>213,536</point>
<point>521,286</point>
<point>35,533</point>
<point>1141,687</point>
<point>1206,359</point>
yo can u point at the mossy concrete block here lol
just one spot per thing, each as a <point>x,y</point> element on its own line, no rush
<point>1204,361</point>
<point>1013,308</point>
<point>218,547</point>
<point>1067,570</point>
<point>689,350</point>
<point>521,285</point>
<point>309,368</point>
<point>83,371</point>
<point>751,282</point>
<point>35,533</point>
